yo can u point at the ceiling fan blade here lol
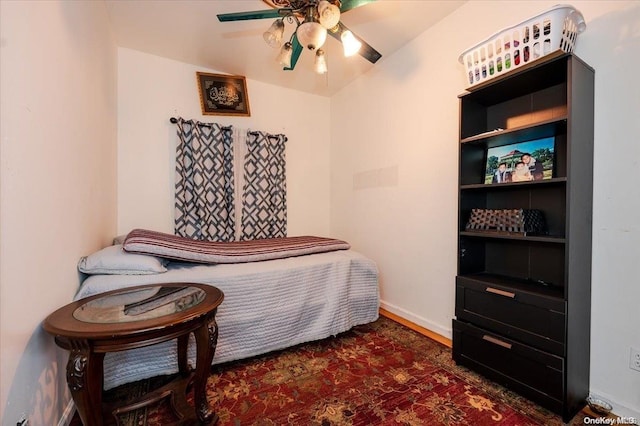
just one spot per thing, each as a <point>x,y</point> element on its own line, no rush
<point>297,50</point>
<point>366,51</point>
<point>243,16</point>
<point>352,4</point>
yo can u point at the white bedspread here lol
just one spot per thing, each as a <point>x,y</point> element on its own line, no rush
<point>268,306</point>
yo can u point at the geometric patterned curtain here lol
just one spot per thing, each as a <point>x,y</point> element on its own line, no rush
<point>264,200</point>
<point>204,197</point>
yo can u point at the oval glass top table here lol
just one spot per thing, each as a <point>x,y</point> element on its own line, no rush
<point>131,318</point>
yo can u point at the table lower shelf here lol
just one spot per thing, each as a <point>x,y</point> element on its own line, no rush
<point>126,399</point>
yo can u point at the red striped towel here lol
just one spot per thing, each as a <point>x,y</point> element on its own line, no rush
<point>186,249</point>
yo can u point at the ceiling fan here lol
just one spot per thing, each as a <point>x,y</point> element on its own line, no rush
<point>313,20</point>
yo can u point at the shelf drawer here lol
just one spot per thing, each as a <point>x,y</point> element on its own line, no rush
<point>533,373</point>
<point>531,318</point>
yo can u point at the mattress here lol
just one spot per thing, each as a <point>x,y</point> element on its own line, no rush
<point>268,305</point>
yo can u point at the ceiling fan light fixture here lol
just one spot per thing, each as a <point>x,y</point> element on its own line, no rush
<point>284,57</point>
<point>350,44</point>
<point>320,64</point>
<point>311,22</point>
<point>273,36</point>
<point>311,35</point>
<point>328,14</point>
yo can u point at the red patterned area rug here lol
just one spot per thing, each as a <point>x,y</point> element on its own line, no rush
<point>376,374</point>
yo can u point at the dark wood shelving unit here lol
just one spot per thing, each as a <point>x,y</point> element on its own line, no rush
<point>523,301</point>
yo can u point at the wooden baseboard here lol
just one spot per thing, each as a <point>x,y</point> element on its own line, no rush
<point>415,327</point>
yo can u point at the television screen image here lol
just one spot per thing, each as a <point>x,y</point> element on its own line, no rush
<point>520,162</point>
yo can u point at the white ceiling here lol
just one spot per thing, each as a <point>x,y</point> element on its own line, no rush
<point>189,31</point>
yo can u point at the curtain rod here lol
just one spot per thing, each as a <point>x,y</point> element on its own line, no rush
<point>269,135</point>
<point>175,121</point>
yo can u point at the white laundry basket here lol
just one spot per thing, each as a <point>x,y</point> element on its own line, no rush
<point>555,29</point>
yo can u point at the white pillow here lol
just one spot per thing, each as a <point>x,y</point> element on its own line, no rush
<point>112,260</point>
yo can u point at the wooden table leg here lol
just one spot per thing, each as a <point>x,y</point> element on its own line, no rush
<point>183,364</point>
<point>206,341</point>
<point>84,378</point>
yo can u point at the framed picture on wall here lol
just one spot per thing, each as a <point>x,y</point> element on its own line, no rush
<point>223,94</point>
<point>520,162</point>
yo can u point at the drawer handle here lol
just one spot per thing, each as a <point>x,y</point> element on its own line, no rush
<point>496,341</point>
<point>501,292</point>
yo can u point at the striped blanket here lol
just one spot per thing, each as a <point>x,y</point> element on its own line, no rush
<point>189,250</point>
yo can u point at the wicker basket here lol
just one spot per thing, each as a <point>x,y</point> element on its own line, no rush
<point>555,29</point>
<point>507,221</point>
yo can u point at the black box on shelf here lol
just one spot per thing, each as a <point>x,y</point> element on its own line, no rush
<point>510,221</point>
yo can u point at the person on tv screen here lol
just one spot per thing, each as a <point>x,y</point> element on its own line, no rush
<point>535,167</point>
<point>501,175</point>
<point>521,173</point>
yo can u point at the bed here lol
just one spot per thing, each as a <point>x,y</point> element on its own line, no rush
<point>269,304</point>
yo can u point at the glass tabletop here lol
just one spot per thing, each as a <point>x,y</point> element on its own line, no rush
<point>139,304</point>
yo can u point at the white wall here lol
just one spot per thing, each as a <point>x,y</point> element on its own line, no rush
<point>152,89</point>
<point>58,185</point>
<point>394,174</point>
